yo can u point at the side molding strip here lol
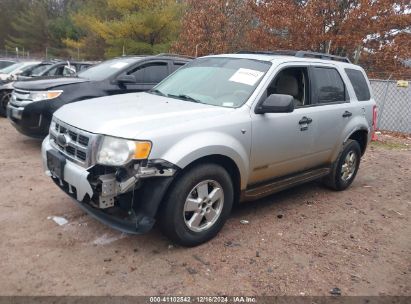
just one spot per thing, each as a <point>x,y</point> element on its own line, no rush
<point>282,183</point>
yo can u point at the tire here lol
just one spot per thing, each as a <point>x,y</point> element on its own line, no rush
<point>4,100</point>
<point>188,216</point>
<point>343,173</point>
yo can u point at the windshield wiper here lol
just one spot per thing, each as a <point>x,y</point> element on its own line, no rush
<point>185,97</point>
<point>158,92</point>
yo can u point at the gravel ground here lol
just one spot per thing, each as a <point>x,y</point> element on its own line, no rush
<point>304,241</point>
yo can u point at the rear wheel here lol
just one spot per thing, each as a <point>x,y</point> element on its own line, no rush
<point>346,167</point>
<point>198,205</point>
<point>4,100</point>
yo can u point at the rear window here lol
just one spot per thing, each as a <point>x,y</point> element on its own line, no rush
<point>359,84</point>
<point>329,85</point>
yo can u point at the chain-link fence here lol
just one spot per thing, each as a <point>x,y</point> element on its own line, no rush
<point>394,105</point>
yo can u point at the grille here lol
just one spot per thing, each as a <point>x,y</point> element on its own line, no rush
<point>20,96</point>
<point>73,142</point>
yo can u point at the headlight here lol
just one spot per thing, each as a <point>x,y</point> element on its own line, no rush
<point>117,152</point>
<point>44,95</point>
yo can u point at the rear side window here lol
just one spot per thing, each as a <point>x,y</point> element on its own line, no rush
<point>329,87</point>
<point>359,84</point>
<point>152,72</point>
<point>83,67</point>
<point>177,65</point>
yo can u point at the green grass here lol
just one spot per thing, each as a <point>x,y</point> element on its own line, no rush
<point>389,145</point>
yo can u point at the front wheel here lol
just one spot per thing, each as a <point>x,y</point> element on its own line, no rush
<point>197,205</point>
<point>4,100</point>
<point>346,167</point>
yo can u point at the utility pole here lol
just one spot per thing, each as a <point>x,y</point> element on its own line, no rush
<point>328,47</point>
<point>357,54</point>
<point>47,52</point>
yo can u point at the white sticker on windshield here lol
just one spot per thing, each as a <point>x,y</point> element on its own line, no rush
<point>118,65</point>
<point>246,76</point>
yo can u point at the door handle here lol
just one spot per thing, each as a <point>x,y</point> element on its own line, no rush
<point>347,114</point>
<point>305,120</point>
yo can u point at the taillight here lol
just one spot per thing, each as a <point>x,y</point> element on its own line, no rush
<point>374,117</point>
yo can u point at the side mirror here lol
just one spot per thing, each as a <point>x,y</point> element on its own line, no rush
<point>276,103</point>
<point>124,79</point>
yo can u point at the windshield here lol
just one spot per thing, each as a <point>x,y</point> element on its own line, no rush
<point>107,68</point>
<point>226,82</point>
<point>38,70</point>
<point>35,70</point>
<point>11,68</point>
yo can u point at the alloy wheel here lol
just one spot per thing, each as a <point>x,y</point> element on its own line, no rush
<point>203,205</point>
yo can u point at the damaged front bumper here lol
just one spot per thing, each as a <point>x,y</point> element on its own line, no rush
<point>127,202</point>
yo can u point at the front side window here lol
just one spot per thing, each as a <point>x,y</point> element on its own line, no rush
<point>56,71</point>
<point>359,84</point>
<point>51,72</point>
<point>292,81</point>
<point>152,72</point>
<point>329,87</point>
<point>219,81</point>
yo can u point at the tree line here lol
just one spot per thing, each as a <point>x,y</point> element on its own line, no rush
<point>373,33</point>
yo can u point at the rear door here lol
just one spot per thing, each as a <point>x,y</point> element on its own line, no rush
<point>331,101</point>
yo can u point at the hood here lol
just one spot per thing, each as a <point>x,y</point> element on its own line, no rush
<point>45,84</point>
<point>6,85</point>
<point>134,115</point>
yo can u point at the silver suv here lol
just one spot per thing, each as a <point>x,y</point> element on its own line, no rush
<point>221,129</point>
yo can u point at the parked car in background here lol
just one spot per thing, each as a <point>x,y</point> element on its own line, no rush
<point>11,72</point>
<point>33,102</point>
<point>55,68</point>
<point>222,129</point>
<point>4,63</point>
<point>44,69</point>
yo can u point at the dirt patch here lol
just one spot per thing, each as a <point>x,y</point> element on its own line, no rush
<point>304,241</point>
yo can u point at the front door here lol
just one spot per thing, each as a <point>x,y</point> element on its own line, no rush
<point>282,143</point>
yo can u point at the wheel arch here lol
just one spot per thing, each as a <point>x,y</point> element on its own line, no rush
<point>360,135</point>
<point>228,164</point>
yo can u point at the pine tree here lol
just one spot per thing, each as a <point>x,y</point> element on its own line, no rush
<point>135,26</point>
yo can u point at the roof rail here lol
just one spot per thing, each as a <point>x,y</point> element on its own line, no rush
<point>301,54</point>
<point>174,55</point>
<point>322,56</point>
